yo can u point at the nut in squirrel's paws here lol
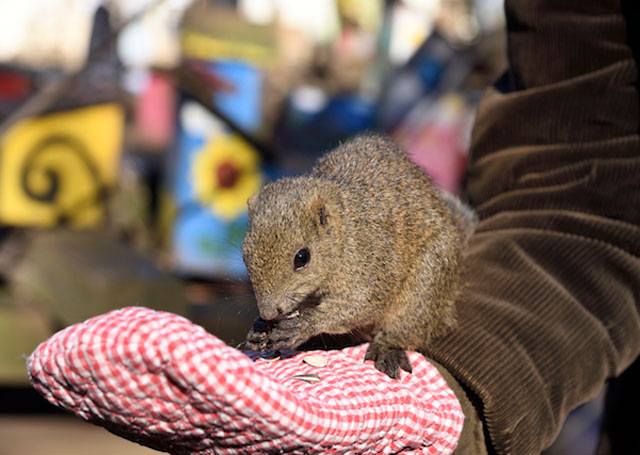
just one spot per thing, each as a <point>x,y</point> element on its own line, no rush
<point>388,359</point>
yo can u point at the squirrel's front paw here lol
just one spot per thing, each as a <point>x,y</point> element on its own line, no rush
<point>287,334</point>
<point>388,359</point>
<point>283,334</point>
<point>258,337</point>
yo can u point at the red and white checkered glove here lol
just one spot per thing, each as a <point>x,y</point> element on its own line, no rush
<point>162,381</point>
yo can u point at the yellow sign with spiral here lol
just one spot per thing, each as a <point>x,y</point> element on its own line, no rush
<point>56,169</point>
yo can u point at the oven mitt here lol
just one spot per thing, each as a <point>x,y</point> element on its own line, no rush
<point>158,379</point>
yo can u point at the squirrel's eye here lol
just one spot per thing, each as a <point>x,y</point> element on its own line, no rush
<point>301,259</point>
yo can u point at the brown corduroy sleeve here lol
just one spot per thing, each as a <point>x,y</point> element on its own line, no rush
<point>551,308</point>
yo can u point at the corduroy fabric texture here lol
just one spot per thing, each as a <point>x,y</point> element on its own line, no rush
<point>551,307</point>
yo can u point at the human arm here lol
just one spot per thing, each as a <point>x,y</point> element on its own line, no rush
<point>550,311</point>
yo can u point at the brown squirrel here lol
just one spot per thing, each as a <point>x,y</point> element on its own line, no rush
<point>364,242</point>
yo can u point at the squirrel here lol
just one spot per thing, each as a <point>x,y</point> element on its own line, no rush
<point>364,242</point>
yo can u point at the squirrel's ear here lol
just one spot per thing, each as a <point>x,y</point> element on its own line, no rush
<point>251,202</point>
<point>322,215</point>
<point>320,211</point>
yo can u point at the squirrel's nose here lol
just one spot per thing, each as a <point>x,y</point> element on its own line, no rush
<point>276,312</point>
<point>268,307</point>
<point>268,312</point>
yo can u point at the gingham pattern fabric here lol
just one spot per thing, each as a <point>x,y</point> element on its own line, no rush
<point>162,381</point>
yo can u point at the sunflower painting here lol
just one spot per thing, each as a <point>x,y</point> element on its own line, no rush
<point>225,173</point>
<point>215,177</point>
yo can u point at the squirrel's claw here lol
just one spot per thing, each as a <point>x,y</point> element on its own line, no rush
<point>388,359</point>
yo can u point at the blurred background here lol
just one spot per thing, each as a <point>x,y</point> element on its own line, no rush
<point>133,131</point>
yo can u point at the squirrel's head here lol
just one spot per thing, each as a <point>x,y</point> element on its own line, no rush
<point>293,244</point>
